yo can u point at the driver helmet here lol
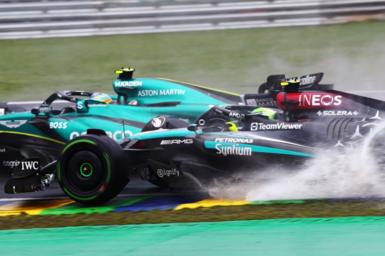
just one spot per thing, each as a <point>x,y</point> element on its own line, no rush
<point>269,113</point>
<point>232,127</point>
<point>100,97</point>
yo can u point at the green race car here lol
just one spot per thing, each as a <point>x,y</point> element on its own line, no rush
<point>32,136</point>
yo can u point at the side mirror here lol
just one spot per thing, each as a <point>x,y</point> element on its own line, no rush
<point>35,111</point>
<point>192,127</point>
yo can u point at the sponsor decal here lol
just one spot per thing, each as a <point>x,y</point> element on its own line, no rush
<point>319,100</point>
<point>233,150</point>
<point>58,125</point>
<point>307,79</point>
<point>163,172</point>
<point>13,123</point>
<point>32,165</point>
<point>80,105</point>
<point>162,92</point>
<point>234,140</point>
<point>128,84</point>
<point>275,126</point>
<point>24,165</point>
<point>376,116</point>
<point>158,122</point>
<point>357,133</point>
<point>339,144</point>
<point>3,150</point>
<point>236,115</point>
<point>261,102</point>
<point>177,142</point>
<point>11,164</point>
<point>337,113</point>
<point>116,135</point>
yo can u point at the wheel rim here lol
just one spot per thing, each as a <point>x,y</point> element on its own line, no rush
<point>84,174</point>
<point>86,170</point>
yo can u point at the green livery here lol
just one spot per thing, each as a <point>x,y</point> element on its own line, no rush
<point>137,101</point>
<point>34,135</point>
<point>174,134</point>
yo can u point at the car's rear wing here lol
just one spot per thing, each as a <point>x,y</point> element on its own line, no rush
<point>306,82</point>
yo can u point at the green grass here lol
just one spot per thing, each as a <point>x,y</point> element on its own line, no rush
<point>232,59</point>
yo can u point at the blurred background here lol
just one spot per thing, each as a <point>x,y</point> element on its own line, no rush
<point>48,45</point>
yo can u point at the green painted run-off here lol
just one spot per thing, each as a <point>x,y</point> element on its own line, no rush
<point>299,237</point>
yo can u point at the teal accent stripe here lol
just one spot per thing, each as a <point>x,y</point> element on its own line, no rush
<point>158,134</point>
<point>258,149</point>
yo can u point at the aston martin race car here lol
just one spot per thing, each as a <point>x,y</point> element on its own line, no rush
<point>32,134</point>
<point>174,134</point>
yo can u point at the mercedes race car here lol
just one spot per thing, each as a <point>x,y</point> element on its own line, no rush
<point>174,134</point>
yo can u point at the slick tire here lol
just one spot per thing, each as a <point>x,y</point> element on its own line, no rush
<point>159,183</point>
<point>90,169</point>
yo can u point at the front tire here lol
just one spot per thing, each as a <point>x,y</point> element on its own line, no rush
<point>159,182</point>
<point>90,169</point>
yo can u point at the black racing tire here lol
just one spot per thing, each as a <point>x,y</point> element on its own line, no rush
<point>159,182</point>
<point>90,169</point>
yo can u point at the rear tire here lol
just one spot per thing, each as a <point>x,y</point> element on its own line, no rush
<point>90,169</point>
<point>159,182</point>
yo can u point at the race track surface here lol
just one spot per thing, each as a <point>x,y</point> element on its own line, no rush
<point>135,187</point>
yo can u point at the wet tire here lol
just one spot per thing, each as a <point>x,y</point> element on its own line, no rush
<point>90,169</point>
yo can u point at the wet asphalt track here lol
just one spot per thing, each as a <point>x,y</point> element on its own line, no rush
<point>135,187</point>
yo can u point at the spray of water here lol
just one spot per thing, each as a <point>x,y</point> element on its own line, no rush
<point>350,172</point>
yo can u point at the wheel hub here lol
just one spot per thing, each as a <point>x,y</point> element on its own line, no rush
<point>86,170</point>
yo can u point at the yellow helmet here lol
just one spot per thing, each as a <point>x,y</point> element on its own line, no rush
<point>232,126</point>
